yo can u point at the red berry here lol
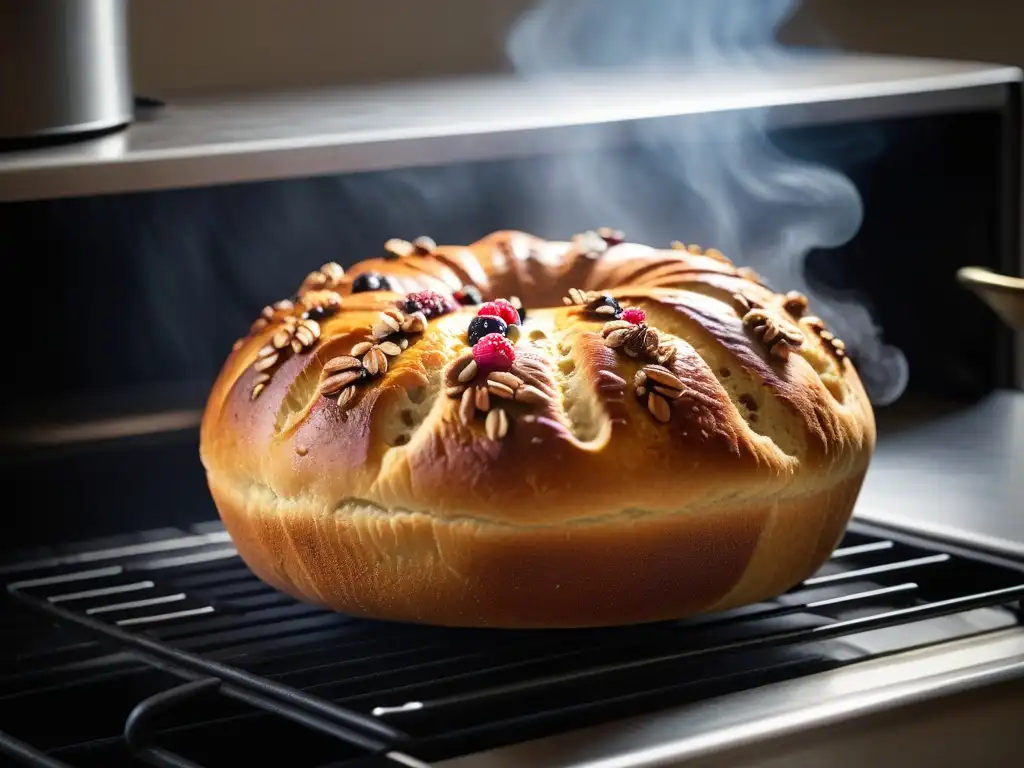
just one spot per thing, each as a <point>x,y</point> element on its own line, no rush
<point>500,308</point>
<point>430,303</point>
<point>634,316</point>
<point>494,353</point>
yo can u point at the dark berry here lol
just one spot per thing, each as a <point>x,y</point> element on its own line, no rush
<point>430,303</point>
<point>605,306</point>
<point>469,296</point>
<point>370,281</point>
<point>483,325</point>
<point>502,309</point>
<point>322,312</point>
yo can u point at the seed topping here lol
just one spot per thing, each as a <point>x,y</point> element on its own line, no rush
<point>779,336</point>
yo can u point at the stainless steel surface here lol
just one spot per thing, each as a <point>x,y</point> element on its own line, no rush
<point>785,718</point>
<point>275,136</point>
<point>65,67</point>
<point>952,471</point>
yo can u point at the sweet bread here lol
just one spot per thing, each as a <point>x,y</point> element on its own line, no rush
<point>525,433</point>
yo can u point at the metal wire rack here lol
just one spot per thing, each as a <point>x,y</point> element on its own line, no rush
<point>167,651</point>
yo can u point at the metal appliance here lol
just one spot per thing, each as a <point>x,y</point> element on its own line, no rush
<point>66,71</point>
<point>132,634</point>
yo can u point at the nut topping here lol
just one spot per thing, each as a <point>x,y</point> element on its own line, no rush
<point>663,376</point>
<point>496,424</point>
<point>661,387</point>
<point>637,341</point>
<point>334,384</point>
<point>510,380</point>
<point>346,396</point>
<point>612,236</point>
<point>467,407</point>
<point>375,362</point>
<point>266,315</point>
<point>696,250</point>
<point>776,334</point>
<point>339,364</point>
<point>389,348</point>
<point>659,408</point>
<point>329,277</point>
<point>396,248</point>
<point>665,355</point>
<point>385,326</point>
<point>367,359</point>
<point>482,399</point>
<point>749,274</point>
<point>414,323</point>
<point>500,390</point>
<point>590,244</point>
<point>292,335</point>
<point>578,297</point>
<point>833,344</point>
<point>469,372</point>
<point>796,304</point>
<point>266,358</point>
<point>333,272</point>
<point>320,304</point>
<point>642,341</point>
<point>258,384</point>
<point>307,332</point>
<point>424,246</point>
<point>362,348</point>
<point>743,304</point>
<point>530,394</point>
<point>486,396</point>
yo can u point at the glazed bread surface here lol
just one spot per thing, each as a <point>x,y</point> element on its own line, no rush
<point>673,437</point>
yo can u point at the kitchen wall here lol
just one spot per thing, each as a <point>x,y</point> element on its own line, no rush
<point>193,45</point>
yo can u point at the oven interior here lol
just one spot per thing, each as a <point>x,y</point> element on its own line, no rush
<point>151,644</point>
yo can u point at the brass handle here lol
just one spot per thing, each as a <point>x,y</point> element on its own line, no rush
<point>1004,294</point>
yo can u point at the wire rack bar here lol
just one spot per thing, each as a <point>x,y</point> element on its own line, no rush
<point>25,754</point>
<point>362,731</point>
<point>761,642</point>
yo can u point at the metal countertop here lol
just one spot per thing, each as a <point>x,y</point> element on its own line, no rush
<point>261,136</point>
<point>951,471</point>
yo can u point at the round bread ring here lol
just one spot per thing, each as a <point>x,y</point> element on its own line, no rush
<point>588,510</point>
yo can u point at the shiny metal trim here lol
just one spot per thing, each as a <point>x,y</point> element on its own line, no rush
<point>201,142</point>
<point>113,428</point>
<point>125,551</point>
<point>710,728</point>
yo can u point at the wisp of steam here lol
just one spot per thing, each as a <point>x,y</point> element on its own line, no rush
<point>743,194</point>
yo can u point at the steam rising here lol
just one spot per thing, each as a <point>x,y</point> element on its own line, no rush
<point>730,186</point>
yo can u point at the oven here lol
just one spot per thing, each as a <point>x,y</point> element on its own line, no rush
<point>134,636</point>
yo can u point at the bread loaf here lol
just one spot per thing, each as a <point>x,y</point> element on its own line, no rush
<point>661,435</point>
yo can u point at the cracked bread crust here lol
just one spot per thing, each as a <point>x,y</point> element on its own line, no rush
<point>588,512</point>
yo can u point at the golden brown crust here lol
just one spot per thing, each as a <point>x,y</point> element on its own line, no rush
<point>594,505</point>
<point>415,567</point>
